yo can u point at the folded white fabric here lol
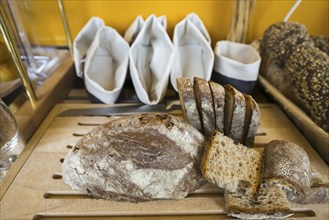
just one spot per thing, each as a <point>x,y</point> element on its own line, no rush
<point>135,27</point>
<point>195,19</point>
<point>150,60</point>
<point>83,41</point>
<point>106,65</point>
<point>193,55</point>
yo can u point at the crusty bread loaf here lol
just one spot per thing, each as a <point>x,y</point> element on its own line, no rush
<point>137,158</point>
<point>251,121</point>
<point>298,66</point>
<point>218,96</point>
<point>230,166</point>
<point>308,73</point>
<point>280,40</point>
<point>286,164</point>
<point>187,101</point>
<point>204,104</point>
<point>270,203</point>
<point>234,113</point>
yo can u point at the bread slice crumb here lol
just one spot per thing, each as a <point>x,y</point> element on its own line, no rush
<point>231,166</point>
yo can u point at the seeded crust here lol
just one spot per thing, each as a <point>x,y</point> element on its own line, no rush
<point>230,166</point>
<point>321,42</point>
<point>251,121</point>
<point>271,202</point>
<point>288,165</point>
<point>308,72</point>
<point>234,112</point>
<point>137,158</point>
<point>218,96</point>
<point>280,40</point>
<point>187,101</point>
<point>204,105</point>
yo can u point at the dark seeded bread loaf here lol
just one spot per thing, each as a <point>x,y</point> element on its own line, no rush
<point>230,166</point>
<point>234,112</point>
<point>137,158</point>
<point>251,121</point>
<point>218,96</point>
<point>270,203</point>
<point>204,104</point>
<point>287,165</point>
<point>308,73</point>
<point>280,40</point>
<point>187,101</point>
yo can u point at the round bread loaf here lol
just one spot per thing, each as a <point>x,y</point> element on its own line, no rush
<point>308,73</point>
<point>137,158</point>
<point>281,39</point>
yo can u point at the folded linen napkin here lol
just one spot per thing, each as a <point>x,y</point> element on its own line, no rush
<point>106,65</point>
<point>195,19</point>
<point>150,60</point>
<point>83,41</point>
<point>193,55</point>
<point>135,27</point>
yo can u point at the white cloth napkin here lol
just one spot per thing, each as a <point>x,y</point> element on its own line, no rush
<point>106,65</point>
<point>83,41</point>
<point>195,19</point>
<point>135,27</point>
<point>150,60</point>
<point>193,55</point>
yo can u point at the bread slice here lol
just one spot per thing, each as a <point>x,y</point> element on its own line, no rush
<point>234,112</point>
<point>230,166</point>
<point>218,97</point>
<point>270,203</point>
<point>187,101</point>
<point>204,105</point>
<point>251,121</point>
<point>287,165</point>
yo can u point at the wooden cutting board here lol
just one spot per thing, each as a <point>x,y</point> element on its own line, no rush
<point>33,188</point>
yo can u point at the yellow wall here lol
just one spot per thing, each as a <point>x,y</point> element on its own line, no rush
<point>44,25</point>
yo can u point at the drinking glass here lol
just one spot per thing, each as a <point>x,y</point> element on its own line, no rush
<point>8,138</point>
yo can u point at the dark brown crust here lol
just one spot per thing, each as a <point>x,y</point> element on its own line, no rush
<point>204,103</point>
<point>234,125</point>
<point>188,103</point>
<point>218,97</point>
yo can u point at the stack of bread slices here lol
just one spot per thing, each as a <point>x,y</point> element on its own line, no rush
<point>208,106</point>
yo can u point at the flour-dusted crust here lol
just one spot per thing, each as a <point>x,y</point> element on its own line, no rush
<point>205,105</point>
<point>288,165</point>
<point>187,101</point>
<point>137,158</point>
